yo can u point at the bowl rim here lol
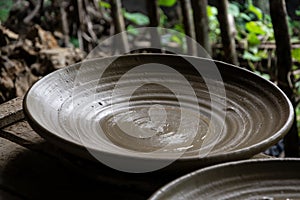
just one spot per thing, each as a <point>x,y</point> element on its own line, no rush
<point>173,184</point>
<point>81,150</point>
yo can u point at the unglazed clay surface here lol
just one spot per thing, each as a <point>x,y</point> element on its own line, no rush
<point>269,179</point>
<point>69,111</point>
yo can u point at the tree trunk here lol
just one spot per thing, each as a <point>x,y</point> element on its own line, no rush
<point>262,5</point>
<point>188,26</point>
<point>284,66</point>
<point>228,42</point>
<point>80,25</point>
<point>82,19</point>
<point>65,25</point>
<point>201,24</point>
<point>118,20</point>
<point>153,13</point>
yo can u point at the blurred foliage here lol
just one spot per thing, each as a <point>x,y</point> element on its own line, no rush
<point>253,28</point>
<point>264,75</point>
<point>167,3</point>
<point>5,7</point>
<point>298,117</point>
<point>296,54</point>
<point>104,4</point>
<point>74,41</point>
<point>214,26</point>
<point>136,18</point>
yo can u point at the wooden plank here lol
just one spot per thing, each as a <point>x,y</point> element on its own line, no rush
<point>7,195</point>
<point>31,175</point>
<point>23,130</point>
<point>15,129</point>
<point>8,153</point>
<point>11,112</point>
<point>22,134</point>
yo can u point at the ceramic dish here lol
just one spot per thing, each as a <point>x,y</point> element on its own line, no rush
<point>267,179</point>
<point>84,114</point>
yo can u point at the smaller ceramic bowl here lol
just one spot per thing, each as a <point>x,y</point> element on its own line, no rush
<point>266,179</point>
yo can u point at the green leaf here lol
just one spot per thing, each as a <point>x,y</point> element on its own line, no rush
<point>137,18</point>
<point>5,7</point>
<point>298,118</point>
<point>256,11</point>
<point>265,76</point>
<point>245,17</point>
<point>211,11</point>
<point>254,50</point>
<point>296,54</point>
<point>176,39</point>
<point>262,54</point>
<point>255,27</point>
<point>132,30</point>
<point>297,85</point>
<point>249,56</point>
<point>295,39</point>
<point>297,12</point>
<point>179,28</point>
<point>166,3</point>
<point>163,19</point>
<point>233,9</point>
<point>253,39</point>
<point>74,41</point>
<point>104,4</point>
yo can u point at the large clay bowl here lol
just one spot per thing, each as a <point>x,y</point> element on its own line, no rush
<point>267,179</point>
<point>67,106</point>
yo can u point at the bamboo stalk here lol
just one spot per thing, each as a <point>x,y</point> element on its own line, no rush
<point>284,66</point>
<point>65,26</point>
<point>188,26</point>
<point>227,36</point>
<point>201,24</point>
<point>153,13</point>
<point>119,24</point>
<point>80,27</point>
